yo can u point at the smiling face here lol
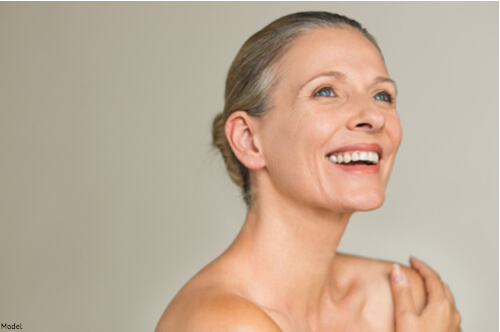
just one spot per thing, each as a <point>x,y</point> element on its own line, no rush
<point>333,115</point>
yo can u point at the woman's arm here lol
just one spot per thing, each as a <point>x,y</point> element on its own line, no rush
<point>440,313</point>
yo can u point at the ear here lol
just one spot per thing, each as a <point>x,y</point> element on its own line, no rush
<point>240,133</point>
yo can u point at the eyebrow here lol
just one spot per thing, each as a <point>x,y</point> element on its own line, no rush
<point>382,79</point>
<point>341,76</point>
<point>336,74</point>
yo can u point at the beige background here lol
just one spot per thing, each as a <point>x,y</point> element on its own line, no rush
<point>111,197</point>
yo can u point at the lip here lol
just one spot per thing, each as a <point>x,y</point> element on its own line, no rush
<point>360,147</point>
<point>359,169</point>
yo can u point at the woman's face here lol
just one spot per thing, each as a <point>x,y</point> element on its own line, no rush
<point>333,108</point>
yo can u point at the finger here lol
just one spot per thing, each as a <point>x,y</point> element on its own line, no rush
<point>433,284</point>
<point>448,293</point>
<point>401,293</point>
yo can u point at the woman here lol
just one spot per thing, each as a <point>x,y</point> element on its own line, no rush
<point>310,132</point>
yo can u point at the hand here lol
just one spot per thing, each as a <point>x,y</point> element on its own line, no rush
<point>439,314</point>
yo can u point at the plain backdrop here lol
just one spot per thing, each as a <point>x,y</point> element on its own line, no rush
<point>111,196</point>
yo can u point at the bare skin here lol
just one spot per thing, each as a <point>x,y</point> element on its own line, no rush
<point>283,272</point>
<point>218,299</point>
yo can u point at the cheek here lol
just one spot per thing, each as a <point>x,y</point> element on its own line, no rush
<point>318,127</point>
<point>278,146</point>
<point>395,131</point>
<point>291,149</point>
<point>394,134</point>
<point>295,135</point>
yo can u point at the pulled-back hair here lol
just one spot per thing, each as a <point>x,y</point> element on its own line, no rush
<point>252,76</point>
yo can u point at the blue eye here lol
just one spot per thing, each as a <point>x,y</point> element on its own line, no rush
<point>325,92</point>
<point>383,96</point>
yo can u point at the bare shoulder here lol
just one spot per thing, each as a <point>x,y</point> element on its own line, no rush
<point>207,307</point>
<point>216,312</point>
<point>379,271</point>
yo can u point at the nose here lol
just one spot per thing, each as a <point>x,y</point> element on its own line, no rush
<point>366,117</point>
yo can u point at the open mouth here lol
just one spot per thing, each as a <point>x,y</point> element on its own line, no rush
<point>354,158</point>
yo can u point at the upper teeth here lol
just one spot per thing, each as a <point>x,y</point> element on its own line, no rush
<point>346,157</point>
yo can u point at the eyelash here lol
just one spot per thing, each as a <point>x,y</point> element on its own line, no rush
<point>389,97</point>
<point>324,88</point>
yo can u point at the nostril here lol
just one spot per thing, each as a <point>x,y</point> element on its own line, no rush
<point>364,125</point>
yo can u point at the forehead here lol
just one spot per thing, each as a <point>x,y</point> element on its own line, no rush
<point>344,50</point>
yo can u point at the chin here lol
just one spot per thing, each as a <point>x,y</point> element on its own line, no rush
<point>367,201</point>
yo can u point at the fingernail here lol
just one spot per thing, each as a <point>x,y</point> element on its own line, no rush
<point>397,273</point>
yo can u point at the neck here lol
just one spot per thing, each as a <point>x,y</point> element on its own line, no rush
<point>289,251</point>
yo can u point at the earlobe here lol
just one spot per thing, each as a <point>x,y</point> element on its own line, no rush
<point>240,133</point>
